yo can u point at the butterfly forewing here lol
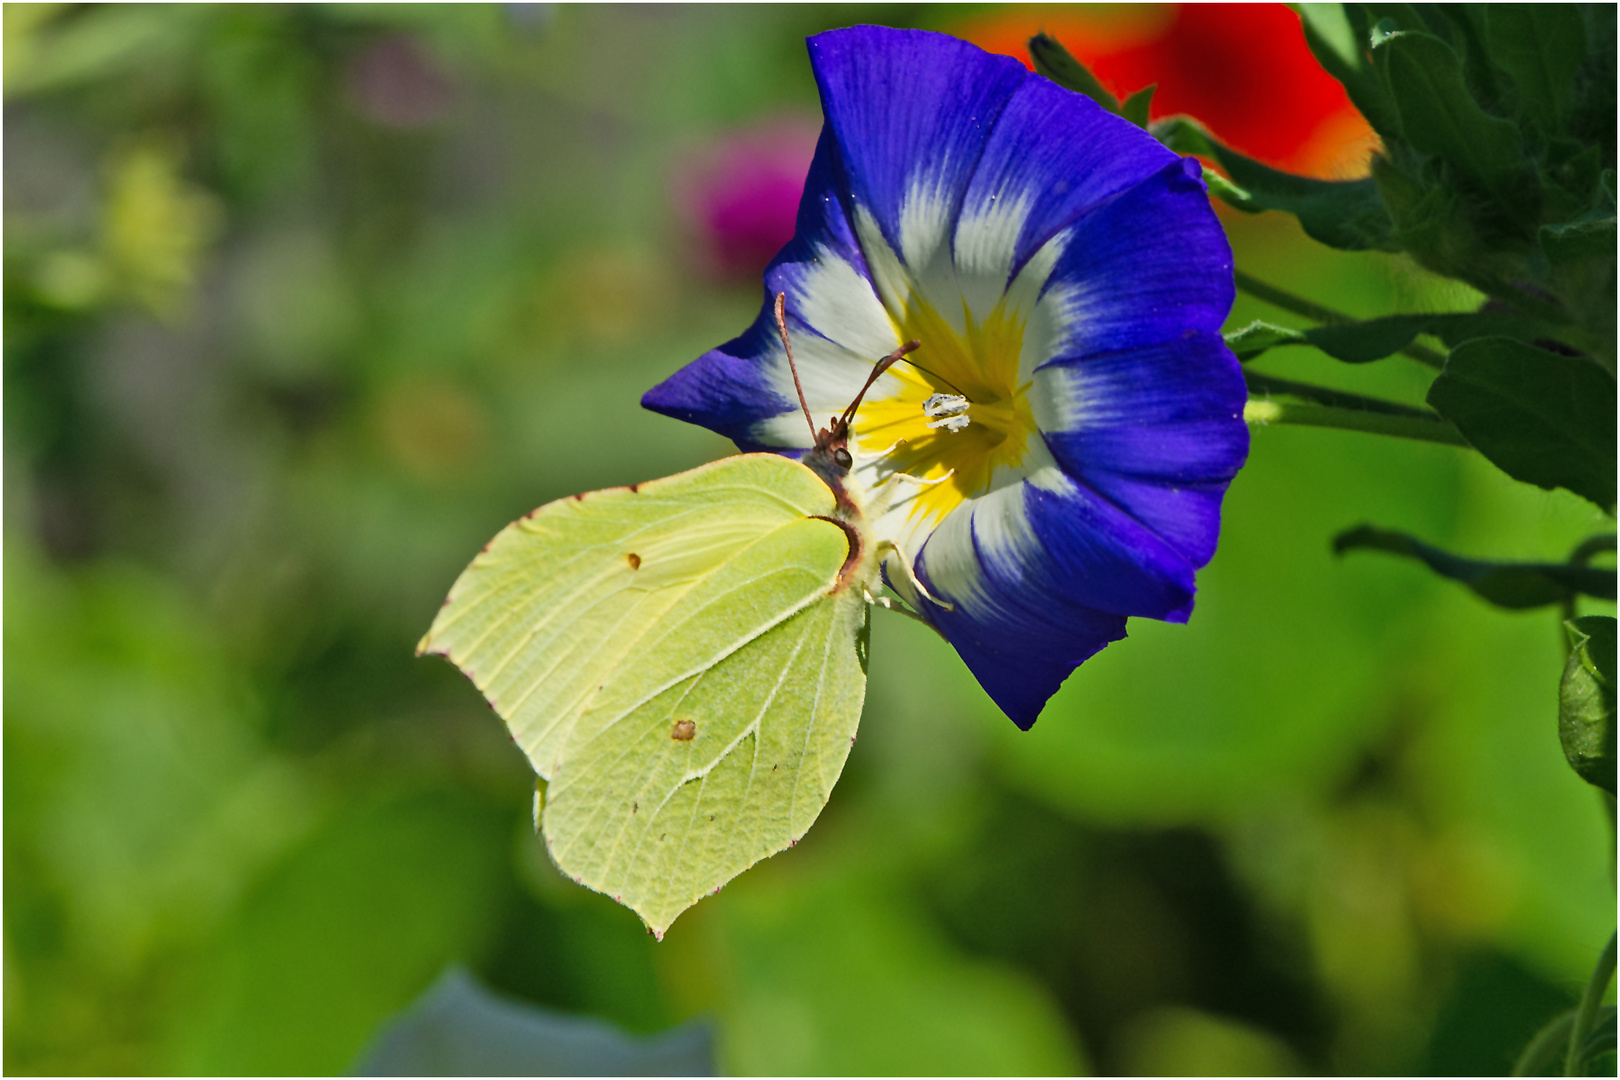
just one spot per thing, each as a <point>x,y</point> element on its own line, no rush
<point>565,597</point>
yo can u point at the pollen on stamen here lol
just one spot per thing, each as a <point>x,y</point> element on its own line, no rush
<point>948,411</point>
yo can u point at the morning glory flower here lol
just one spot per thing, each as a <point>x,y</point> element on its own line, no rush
<point>1052,457</point>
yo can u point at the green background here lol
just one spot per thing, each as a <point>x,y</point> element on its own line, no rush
<point>275,371</point>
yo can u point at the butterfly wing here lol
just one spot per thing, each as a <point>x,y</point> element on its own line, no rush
<point>689,772</point>
<point>681,660</point>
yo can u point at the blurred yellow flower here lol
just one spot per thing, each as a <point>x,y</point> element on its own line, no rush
<point>155,227</point>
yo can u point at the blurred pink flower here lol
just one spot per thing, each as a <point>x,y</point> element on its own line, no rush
<point>740,194</point>
<point>394,83</point>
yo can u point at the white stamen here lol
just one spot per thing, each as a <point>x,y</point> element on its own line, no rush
<point>948,411</point>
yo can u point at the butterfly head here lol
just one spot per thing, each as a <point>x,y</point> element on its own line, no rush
<point>832,441</point>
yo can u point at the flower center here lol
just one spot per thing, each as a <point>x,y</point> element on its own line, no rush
<point>960,414</point>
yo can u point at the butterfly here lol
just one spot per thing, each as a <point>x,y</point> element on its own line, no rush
<point>683,661</point>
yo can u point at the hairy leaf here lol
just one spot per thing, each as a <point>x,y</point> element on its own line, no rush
<point>1586,700</point>
<point>1345,214</point>
<point>1439,115</point>
<point>1374,339</point>
<point>1135,108</point>
<point>1541,417</point>
<point>1541,46</point>
<point>1055,62</point>
<point>1340,50</point>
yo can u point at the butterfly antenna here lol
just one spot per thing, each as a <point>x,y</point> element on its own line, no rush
<point>936,377</point>
<point>781,328</point>
<point>878,369</point>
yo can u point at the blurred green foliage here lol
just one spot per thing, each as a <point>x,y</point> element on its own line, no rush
<point>303,304</point>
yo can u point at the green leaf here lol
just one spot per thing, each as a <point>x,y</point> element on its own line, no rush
<point>1439,116</point>
<point>1570,176</point>
<point>1541,46</point>
<point>1344,214</point>
<point>458,1028</point>
<point>1539,416</point>
<point>1586,700</point>
<point>1254,339</point>
<point>1602,1040</point>
<point>1055,62</point>
<point>1135,108</point>
<point>1339,49</point>
<point>1374,339</point>
<point>1228,192</point>
<point>1517,586</point>
<point>1547,1047</point>
<point>1579,241</point>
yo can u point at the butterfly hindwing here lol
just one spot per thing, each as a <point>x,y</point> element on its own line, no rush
<point>669,792</point>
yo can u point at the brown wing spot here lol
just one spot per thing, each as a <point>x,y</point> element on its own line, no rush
<point>683,731</point>
<point>634,807</point>
<point>634,560</point>
<point>634,488</point>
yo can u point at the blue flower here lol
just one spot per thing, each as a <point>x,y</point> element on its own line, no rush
<point>1052,458</point>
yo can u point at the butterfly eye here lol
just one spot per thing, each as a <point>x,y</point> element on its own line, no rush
<point>842,458</point>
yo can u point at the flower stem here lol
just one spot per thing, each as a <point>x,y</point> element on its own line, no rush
<point>1288,301</point>
<point>1321,395</point>
<point>1586,1012</point>
<point>1261,413</point>
<point>1315,312</point>
<point>1545,1047</point>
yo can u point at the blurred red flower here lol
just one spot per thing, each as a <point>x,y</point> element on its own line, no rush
<point>1244,70</point>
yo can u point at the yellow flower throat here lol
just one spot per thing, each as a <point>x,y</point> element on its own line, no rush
<point>980,365</point>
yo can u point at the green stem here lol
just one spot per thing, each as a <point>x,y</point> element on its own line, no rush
<point>1546,1047</point>
<point>1321,395</point>
<point>1402,427</point>
<point>1586,1012</point>
<point>1315,312</point>
<point>1288,301</point>
<point>1583,554</point>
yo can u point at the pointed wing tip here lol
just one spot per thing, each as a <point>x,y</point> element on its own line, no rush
<point>657,925</point>
<point>431,646</point>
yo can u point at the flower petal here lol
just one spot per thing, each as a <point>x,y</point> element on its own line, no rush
<point>727,390</point>
<point>1053,153</point>
<point>952,186</point>
<point>1018,642</point>
<point>1158,431</point>
<point>1141,268</point>
<point>744,389</point>
<point>910,111</point>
